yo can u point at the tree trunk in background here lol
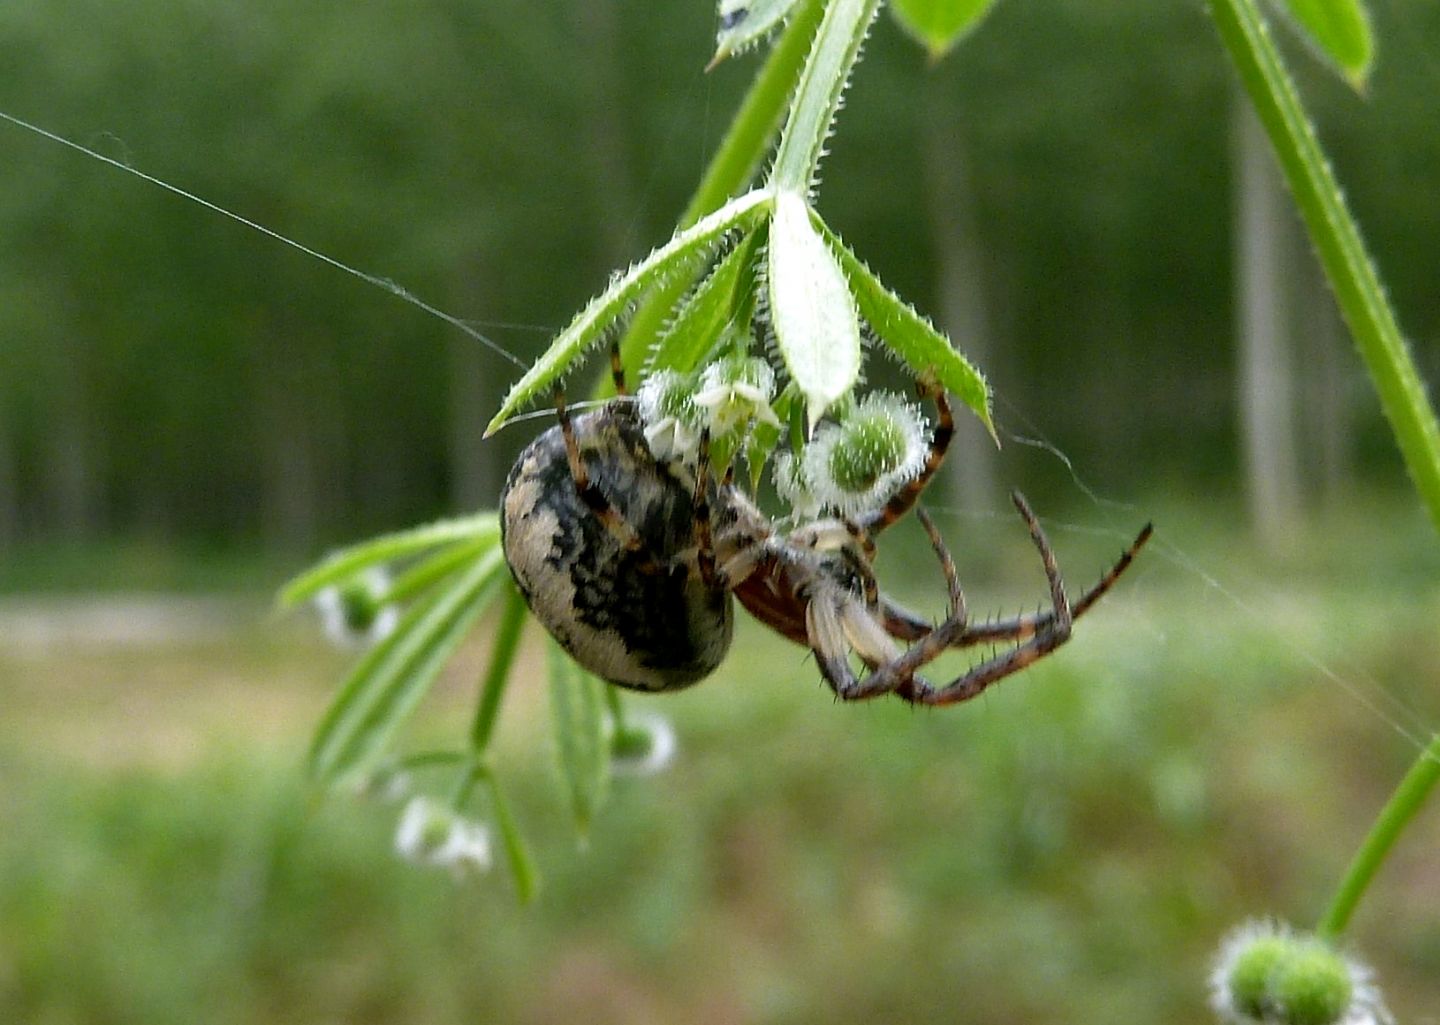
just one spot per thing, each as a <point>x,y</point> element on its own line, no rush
<point>287,438</point>
<point>604,91</point>
<point>1266,399</point>
<point>473,397</point>
<point>959,288</point>
<point>71,489</point>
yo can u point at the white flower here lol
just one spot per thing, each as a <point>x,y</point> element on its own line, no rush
<point>735,390</point>
<point>431,833</point>
<point>857,465</point>
<point>645,747</point>
<point>670,418</point>
<point>1268,974</point>
<point>355,614</point>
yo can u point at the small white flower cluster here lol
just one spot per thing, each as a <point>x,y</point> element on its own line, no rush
<point>728,396</point>
<point>431,833</point>
<point>355,614</point>
<point>856,465</point>
<point>645,747</point>
<point>1268,974</point>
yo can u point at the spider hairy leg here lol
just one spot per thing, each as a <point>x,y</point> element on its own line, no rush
<point>704,536</point>
<point>617,368</point>
<point>590,492</point>
<point>905,625</point>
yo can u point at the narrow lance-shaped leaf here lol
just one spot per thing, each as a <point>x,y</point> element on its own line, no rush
<point>601,313</point>
<point>939,24</point>
<point>343,565</point>
<point>743,23</point>
<point>1340,29</point>
<point>705,313</point>
<point>576,709</point>
<point>911,337</point>
<point>391,679</point>
<point>517,851</point>
<point>811,309</point>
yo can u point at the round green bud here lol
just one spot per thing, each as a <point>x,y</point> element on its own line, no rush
<point>1249,979</point>
<point>1311,986</point>
<point>359,605</point>
<point>870,446</point>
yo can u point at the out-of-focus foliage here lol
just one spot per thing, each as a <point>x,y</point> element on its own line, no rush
<point>940,24</point>
<point>1069,849</point>
<point>166,372</point>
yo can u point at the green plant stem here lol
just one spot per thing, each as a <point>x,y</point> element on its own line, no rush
<point>502,657</point>
<point>1402,806</point>
<point>1337,241</point>
<point>617,709</point>
<point>817,95</point>
<point>1377,336</point>
<point>731,168</point>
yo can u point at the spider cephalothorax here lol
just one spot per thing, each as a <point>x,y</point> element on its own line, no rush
<point>630,562</point>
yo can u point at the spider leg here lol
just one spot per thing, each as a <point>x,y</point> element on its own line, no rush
<point>905,625</point>
<point>1055,632</point>
<point>704,535</point>
<point>947,565</point>
<point>904,499</point>
<point>590,492</point>
<point>617,368</point>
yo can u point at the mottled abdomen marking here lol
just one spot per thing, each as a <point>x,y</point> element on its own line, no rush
<point>641,619</point>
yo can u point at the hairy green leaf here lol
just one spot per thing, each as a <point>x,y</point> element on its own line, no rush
<point>911,337</point>
<point>390,680</point>
<point>939,24</point>
<point>736,160</point>
<point>743,23</point>
<point>706,311</point>
<point>677,256</point>
<point>343,565</point>
<point>811,308</point>
<point>1340,29</point>
<point>577,712</point>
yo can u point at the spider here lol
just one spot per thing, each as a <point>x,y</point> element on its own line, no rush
<point>630,563</point>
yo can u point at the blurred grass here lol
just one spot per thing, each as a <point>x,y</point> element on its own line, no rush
<point>1068,848</point>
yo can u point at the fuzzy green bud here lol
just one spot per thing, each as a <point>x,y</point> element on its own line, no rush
<point>856,465</point>
<point>1268,974</point>
<point>1249,979</point>
<point>1312,986</point>
<point>870,447</point>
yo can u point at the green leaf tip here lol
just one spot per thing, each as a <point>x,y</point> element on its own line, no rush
<point>938,25</point>
<point>744,23</point>
<point>1340,31</point>
<point>912,337</point>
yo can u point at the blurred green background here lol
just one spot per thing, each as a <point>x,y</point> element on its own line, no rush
<point>189,411</point>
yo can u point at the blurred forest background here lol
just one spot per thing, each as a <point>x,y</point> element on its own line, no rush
<point>189,407</point>
<point>1074,195</point>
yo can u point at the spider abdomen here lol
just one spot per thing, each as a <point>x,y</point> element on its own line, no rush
<point>640,617</point>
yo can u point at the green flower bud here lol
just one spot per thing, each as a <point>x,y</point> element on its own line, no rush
<point>1267,974</point>
<point>856,465</point>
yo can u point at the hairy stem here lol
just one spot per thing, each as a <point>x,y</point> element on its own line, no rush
<point>1377,336</point>
<point>1337,241</point>
<point>817,96</point>
<point>731,168</point>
